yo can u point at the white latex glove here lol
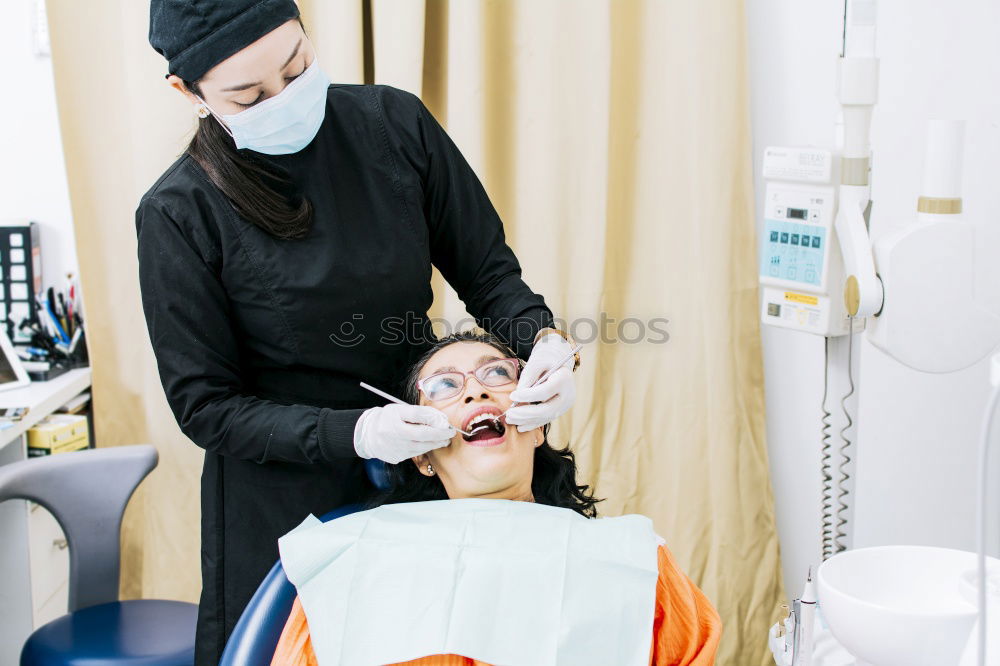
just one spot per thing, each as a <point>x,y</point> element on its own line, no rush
<point>394,433</point>
<point>555,394</point>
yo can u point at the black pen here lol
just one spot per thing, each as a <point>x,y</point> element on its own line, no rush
<point>67,324</point>
<point>51,294</point>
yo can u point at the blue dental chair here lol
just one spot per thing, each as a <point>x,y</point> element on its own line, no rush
<point>256,634</point>
<point>87,492</point>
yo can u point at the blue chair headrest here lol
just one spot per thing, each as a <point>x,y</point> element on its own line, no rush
<point>378,473</point>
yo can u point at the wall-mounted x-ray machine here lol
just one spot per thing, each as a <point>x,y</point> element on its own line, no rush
<point>913,295</point>
<point>801,266</point>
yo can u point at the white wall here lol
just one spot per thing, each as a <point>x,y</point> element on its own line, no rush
<point>916,433</point>
<point>32,172</point>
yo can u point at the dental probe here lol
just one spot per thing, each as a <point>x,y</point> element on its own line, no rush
<point>396,400</point>
<point>808,615</point>
<point>793,625</point>
<point>545,375</point>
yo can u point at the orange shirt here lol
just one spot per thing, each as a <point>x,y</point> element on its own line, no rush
<point>686,628</point>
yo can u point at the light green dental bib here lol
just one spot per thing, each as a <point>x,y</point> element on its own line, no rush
<point>500,581</point>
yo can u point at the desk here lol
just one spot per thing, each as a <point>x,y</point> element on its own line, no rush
<point>41,399</point>
<point>32,564</point>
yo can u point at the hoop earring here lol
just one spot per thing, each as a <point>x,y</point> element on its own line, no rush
<point>430,469</point>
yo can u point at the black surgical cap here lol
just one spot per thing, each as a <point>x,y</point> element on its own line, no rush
<point>196,35</point>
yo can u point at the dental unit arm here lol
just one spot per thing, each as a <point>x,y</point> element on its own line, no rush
<point>857,91</point>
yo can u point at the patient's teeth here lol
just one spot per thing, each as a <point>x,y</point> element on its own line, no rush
<point>480,421</point>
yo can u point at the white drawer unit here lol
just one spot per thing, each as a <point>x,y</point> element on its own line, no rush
<point>48,557</point>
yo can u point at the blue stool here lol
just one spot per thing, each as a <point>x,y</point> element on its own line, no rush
<point>87,492</point>
<point>144,631</point>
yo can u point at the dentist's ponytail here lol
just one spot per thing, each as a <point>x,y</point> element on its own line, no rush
<point>261,192</point>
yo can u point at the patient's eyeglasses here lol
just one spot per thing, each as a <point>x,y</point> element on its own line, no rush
<point>493,374</point>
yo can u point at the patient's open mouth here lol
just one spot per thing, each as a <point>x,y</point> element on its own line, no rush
<point>484,427</point>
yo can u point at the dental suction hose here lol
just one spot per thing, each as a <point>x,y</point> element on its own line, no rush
<point>984,446</point>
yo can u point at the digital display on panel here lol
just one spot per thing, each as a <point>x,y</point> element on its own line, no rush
<point>797,213</point>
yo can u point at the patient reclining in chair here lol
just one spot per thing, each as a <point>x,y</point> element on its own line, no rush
<point>482,552</point>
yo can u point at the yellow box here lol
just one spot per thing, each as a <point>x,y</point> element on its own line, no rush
<point>58,433</point>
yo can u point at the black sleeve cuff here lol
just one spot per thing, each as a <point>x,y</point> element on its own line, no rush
<point>519,333</point>
<point>335,430</point>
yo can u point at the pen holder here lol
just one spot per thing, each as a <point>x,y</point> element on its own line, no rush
<point>56,357</point>
<point>80,358</point>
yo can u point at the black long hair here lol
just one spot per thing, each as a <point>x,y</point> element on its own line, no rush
<point>262,192</point>
<point>553,481</point>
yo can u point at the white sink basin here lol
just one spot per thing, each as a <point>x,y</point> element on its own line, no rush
<point>903,605</point>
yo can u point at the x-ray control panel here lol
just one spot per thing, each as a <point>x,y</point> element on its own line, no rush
<point>794,250</point>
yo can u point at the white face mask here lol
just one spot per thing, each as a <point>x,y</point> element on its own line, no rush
<point>285,123</point>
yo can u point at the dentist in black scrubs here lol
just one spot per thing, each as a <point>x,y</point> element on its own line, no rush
<point>286,256</point>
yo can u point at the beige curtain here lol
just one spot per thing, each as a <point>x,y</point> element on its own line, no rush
<point>613,138</point>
